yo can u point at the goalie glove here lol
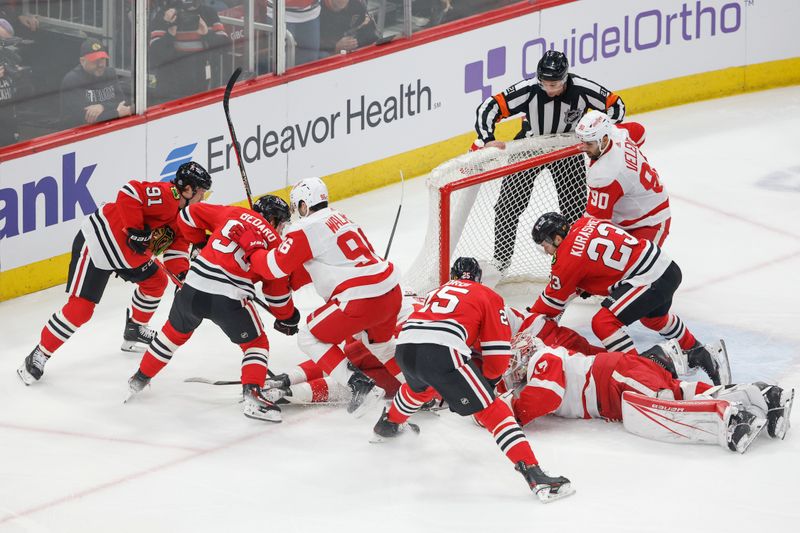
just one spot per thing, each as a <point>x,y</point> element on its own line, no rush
<point>288,326</point>
<point>139,239</point>
<point>247,239</point>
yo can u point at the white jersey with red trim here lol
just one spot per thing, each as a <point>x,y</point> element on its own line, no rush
<point>337,255</point>
<point>568,376</point>
<point>624,188</point>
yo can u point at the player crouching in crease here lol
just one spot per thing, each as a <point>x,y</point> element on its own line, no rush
<point>638,280</point>
<point>220,287</point>
<point>361,291</point>
<point>433,351</point>
<point>123,237</point>
<point>644,393</point>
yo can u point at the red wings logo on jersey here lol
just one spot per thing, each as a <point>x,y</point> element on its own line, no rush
<point>541,367</point>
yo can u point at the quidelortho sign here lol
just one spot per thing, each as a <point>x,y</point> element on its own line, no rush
<point>389,105</point>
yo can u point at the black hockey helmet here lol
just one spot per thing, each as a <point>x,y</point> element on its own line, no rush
<point>553,66</point>
<point>273,208</point>
<point>548,226</point>
<point>466,268</point>
<point>194,175</point>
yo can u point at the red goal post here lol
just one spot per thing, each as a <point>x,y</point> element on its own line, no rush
<point>474,200</point>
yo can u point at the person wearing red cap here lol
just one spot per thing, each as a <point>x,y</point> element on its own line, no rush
<point>92,92</point>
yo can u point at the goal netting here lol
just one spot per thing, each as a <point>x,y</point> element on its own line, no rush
<point>483,204</point>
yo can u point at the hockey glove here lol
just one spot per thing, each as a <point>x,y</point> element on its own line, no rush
<point>288,326</point>
<point>247,238</point>
<point>477,144</point>
<point>139,239</point>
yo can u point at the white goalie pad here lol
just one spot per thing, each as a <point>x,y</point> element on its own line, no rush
<point>677,421</point>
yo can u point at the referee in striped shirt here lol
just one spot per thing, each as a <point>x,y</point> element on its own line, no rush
<point>553,102</point>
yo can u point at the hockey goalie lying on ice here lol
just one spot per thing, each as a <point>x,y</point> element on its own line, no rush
<point>646,396</point>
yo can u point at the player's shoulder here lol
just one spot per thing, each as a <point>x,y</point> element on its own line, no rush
<point>585,84</point>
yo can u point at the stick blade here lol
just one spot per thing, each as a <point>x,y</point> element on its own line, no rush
<point>229,86</point>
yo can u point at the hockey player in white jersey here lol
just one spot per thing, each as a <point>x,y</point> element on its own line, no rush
<point>361,290</point>
<point>643,391</point>
<point>623,187</point>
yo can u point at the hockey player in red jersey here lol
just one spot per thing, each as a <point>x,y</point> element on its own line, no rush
<point>220,287</point>
<point>638,280</point>
<point>360,289</point>
<point>122,238</point>
<point>433,350</point>
<point>623,187</point>
<point>645,393</point>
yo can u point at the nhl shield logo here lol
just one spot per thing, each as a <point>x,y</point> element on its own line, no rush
<point>572,115</point>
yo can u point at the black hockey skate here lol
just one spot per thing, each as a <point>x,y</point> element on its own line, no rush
<point>257,406</point>
<point>779,407</point>
<point>546,488</point>
<point>386,429</point>
<point>660,357</point>
<point>699,356</point>
<point>743,428</point>
<point>32,368</point>
<point>136,384</point>
<point>136,336</point>
<point>278,381</point>
<point>365,394</point>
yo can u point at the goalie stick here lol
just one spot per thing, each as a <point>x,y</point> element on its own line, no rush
<point>236,148</point>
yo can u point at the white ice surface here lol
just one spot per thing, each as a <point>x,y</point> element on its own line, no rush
<point>181,457</point>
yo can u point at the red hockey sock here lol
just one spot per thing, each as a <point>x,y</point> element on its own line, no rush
<point>331,359</point>
<point>319,390</point>
<point>611,332</point>
<point>64,323</point>
<point>160,350</point>
<point>147,296</point>
<point>255,360</point>
<point>671,326</point>
<point>499,420</point>
<point>407,402</point>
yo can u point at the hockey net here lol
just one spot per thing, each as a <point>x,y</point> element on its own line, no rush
<point>467,210</point>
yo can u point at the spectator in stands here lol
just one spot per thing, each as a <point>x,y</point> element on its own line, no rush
<point>22,25</point>
<point>187,44</point>
<point>92,92</point>
<point>345,26</point>
<point>8,119</point>
<point>302,21</point>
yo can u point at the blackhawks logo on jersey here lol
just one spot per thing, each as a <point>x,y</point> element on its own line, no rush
<point>162,239</point>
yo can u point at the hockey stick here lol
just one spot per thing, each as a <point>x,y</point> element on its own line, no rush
<point>236,149</point>
<point>207,381</point>
<point>397,216</point>
<point>210,382</point>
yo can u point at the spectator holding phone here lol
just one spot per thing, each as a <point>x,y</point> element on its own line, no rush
<point>92,91</point>
<point>345,26</point>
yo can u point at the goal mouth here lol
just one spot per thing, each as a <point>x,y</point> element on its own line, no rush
<point>483,204</point>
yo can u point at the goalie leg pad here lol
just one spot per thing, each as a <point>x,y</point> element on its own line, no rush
<point>693,421</point>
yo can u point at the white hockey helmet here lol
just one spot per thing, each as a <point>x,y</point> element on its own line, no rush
<point>311,191</point>
<point>593,126</point>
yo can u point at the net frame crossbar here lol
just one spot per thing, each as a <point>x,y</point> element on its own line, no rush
<point>446,190</point>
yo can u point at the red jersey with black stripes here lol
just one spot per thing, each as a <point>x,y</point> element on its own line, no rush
<point>595,257</point>
<point>336,254</point>
<point>221,268</point>
<point>463,315</point>
<point>139,204</point>
<point>623,187</point>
